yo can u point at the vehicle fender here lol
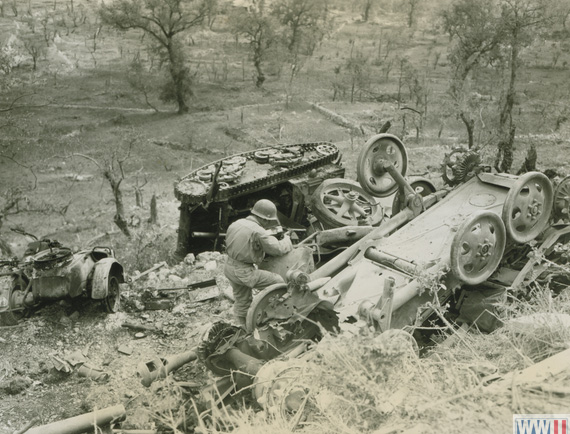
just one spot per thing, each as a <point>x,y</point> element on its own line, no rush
<point>103,269</point>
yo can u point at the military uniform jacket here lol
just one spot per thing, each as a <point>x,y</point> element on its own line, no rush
<point>248,242</point>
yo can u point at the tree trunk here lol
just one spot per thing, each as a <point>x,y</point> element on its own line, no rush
<point>119,217</point>
<point>506,126</point>
<point>470,125</point>
<point>257,58</point>
<point>178,74</point>
<point>504,159</point>
<point>153,219</point>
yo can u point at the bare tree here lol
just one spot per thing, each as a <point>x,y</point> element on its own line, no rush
<point>35,47</point>
<point>259,28</point>
<point>412,6</point>
<point>113,170</point>
<point>304,25</point>
<point>164,21</point>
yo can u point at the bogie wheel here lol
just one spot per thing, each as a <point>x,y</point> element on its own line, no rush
<point>266,298</point>
<point>341,202</point>
<point>478,247</point>
<point>16,308</point>
<point>370,170</point>
<point>112,302</point>
<point>527,207</point>
<point>561,209</point>
<point>421,187</point>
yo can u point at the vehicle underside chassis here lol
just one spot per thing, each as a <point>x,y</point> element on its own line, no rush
<point>400,273</point>
<point>202,228</point>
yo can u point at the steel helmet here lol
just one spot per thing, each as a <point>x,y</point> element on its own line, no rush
<point>265,209</point>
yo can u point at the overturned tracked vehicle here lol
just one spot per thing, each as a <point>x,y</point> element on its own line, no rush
<point>305,181</point>
<point>436,250</point>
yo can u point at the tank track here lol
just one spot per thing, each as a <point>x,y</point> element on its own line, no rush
<point>326,154</point>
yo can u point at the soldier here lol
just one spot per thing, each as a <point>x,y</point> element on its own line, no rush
<point>247,243</point>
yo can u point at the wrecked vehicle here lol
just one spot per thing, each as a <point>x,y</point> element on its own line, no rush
<point>437,247</point>
<point>49,272</point>
<point>305,181</point>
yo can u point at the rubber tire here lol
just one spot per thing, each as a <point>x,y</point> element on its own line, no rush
<point>112,303</point>
<point>260,301</point>
<point>323,214</point>
<point>12,318</point>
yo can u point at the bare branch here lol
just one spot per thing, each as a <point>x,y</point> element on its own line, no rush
<point>30,168</point>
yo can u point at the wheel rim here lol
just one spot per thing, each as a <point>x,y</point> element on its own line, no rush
<point>349,204</point>
<point>256,312</point>
<point>370,172</point>
<point>113,299</point>
<point>561,207</point>
<point>16,302</point>
<point>478,247</point>
<point>528,207</point>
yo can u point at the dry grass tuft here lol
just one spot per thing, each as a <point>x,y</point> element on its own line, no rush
<point>370,384</point>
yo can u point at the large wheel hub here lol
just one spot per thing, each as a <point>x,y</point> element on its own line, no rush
<point>478,247</point>
<point>527,207</point>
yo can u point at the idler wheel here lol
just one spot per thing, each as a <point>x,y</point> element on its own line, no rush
<point>256,313</point>
<point>527,207</point>
<point>341,202</point>
<point>561,209</point>
<point>423,188</point>
<point>376,153</point>
<point>478,247</point>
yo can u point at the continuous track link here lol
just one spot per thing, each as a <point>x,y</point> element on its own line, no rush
<point>283,162</point>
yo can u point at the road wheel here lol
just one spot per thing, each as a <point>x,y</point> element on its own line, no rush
<point>16,309</point>
<point>341,202</point>
<point>266,298</point>
<point>478,247</point>
<point>527,207</point>
<point>112,302</point>
<point>370,168</point>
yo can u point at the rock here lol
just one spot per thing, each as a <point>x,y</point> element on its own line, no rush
<point>174,278</point>
<point>190,259</point>
<point>17,385</point>
<point>74,316</point>
<point>208,256</point>
<point>210,265</point>
<point>125,349</point>
<point>158,304</point>
<point>152,275</point>
<point>140,335</point>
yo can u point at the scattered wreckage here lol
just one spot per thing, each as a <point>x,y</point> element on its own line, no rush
<point>49,271</point>
<point>483,232</point>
